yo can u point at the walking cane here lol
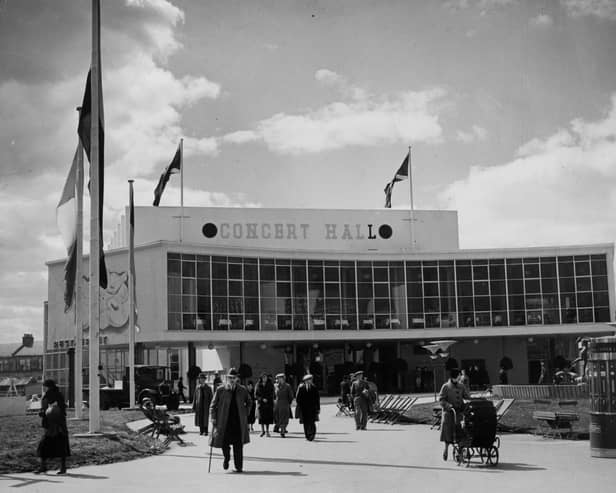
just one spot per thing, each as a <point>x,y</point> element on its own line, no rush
<point>210,464</point>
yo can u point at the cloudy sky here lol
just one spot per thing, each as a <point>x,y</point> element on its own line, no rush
<point>510,107</point>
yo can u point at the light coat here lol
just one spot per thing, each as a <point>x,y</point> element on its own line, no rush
<point>282,406</point>
<point>219,410</point>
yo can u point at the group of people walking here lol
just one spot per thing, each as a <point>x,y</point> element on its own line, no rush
<point>233,408</point>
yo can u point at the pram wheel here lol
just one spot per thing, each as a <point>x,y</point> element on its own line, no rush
<point>492,456</point>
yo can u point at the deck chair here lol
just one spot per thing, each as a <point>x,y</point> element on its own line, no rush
<point>380,407</point>
<point>402,409</point>
<point>343,409</point>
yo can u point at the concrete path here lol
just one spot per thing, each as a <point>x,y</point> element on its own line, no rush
<point>404,458</point>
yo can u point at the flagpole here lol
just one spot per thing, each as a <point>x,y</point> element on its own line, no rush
<point>412,211</point>
<point>94,407</point>
<point>181,188</point>
<point>78,292</point>
<point>131,297</point>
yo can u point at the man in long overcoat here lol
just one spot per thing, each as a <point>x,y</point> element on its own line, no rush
<point>360,393</point>
<point>308,407</point>
<point>229,411</point>
<point>283,398</point>
<point>201,404</point>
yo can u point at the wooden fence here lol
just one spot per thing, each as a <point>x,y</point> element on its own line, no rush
<point>532,392</point>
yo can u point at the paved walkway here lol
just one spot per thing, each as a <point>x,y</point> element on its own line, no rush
<point>404,458</point>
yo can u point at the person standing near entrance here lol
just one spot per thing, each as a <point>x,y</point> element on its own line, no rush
<point>308,406</point>
<point>201,404</point>
<point>360,393</point>
<point>229,411</point>
<point>282,404</point>
<point>264,394</point>
<point>181,388</point>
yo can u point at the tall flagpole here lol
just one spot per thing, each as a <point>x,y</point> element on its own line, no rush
<point>181,189</point>
<point>95,78</point>
<point>131,296</point>
<point>412,212</point>
<point>78,291</point>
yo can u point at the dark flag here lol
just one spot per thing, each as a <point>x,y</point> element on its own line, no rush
<point>85,121</point>
<point>173,168</point>
<point>131,252</point>
<point>401,174</point>
<point>66,217</point>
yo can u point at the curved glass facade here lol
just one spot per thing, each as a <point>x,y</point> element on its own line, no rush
<point>248,293</point>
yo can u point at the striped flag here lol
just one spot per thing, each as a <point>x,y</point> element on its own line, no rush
<point>66,219</point>
<point>173,168</point>
<point>83,129</point>
<point>401,174</point>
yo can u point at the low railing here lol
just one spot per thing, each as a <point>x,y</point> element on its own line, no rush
<point>532,392</point>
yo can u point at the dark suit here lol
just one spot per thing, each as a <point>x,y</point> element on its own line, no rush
<point>308,408</point>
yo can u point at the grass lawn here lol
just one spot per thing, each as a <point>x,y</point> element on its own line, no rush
<point>519,418</point>
<point>19,436</point>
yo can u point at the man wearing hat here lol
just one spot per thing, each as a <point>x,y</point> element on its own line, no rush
<point>201,404</point>
<point>283,397</point>
<point>229,411</point>
<point>451,398</point>
<point>308,406</point>
<point>360,393</point>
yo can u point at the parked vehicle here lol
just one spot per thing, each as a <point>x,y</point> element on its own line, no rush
<point>152,383</point>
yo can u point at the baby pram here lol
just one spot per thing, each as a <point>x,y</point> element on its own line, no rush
<point>477,434</point>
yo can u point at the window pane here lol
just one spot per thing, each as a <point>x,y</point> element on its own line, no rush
<point>189,269</point>
<point>599,283</point>
<point>531,271</point>
<point>250,272</point>
<point>283,273</point>
<point>582,268</point>
<point>601,298</point>
<point>219,271</point>
<point>235,271</point>
<point>583,283</point>
<point>174,267</point>
<point>431,289</point>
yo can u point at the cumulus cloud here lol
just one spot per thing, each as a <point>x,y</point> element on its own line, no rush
<point>360,120</point>
<point>143,101</point>
<point>476,133</point>
<point>541,20</point>
<point>558,190</point>
<point>603,9</point>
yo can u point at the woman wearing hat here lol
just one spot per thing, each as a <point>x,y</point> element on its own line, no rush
<point>264,394</point>
<point>201,404</point>
<point>308,407</point>
<point>282,404</point>
<point>229,411</point>
<point>55,439</point>
<point>451,398</point>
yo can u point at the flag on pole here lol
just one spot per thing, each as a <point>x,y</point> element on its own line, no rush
<point>173,168</point>
<point>401,174</point>
<point>66,219</point>
<point>131,253</point>
<point>83,129</point>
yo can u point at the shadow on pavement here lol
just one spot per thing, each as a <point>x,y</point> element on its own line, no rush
<point>70,474</point>
<point>272,473</point>
<point>512,466</point>
<point>27,481</point>
<point>327,462</point>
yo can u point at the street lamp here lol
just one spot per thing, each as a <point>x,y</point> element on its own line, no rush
<point>438,349</point>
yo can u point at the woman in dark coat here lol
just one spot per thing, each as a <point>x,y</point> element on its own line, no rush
<point>55,439</point>
<point>451,398</point>
<point>264,395</point>
<point>250,387</point>
<point>201,404</point>
<point>308,407</point>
